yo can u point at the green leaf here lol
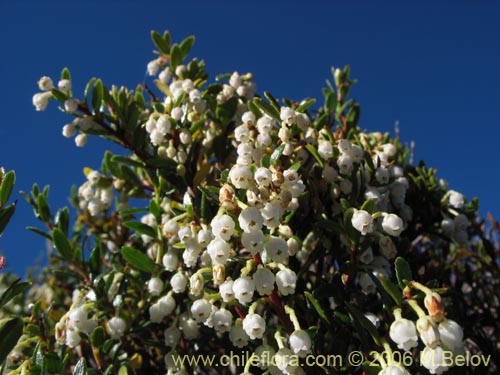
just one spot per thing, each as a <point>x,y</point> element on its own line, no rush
<point>125,160</point>
<point>403,272</point>
<point>43,209</point>
<point>267,108</point>
<point>62,244</point>
<point>140,228</point>
<point>296,166</point>
<point>167,38</point>
<point>272,101</point>
<point>254,109</point>
<point>137,259</point>
<point>160,43</point>
<point>353,115</point>
<point>314,152</point>
<point>86,92</point>
<point>365,323</point>
<point>175,56</point>
<point>6,187</point>
<point>95,261</point>
<point>226,111</point>
<point>277,153</point>
<point>65,74</point>
<point>39,232</point>
<point>13,290</point>
<point>331,101</point>
<point>62,220</point>
<point>97,96</point>
<point>317,306</point>
<point>186,45</point>
<point>369,206</point>
<point>305,104</point>
<point>5,215</point>
<point>59,95</point>
<point>391,289</point>
<point>98,337</point>
<point>80,368</point>
<point>11,330</point>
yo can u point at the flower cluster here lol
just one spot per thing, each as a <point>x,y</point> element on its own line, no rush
<point>243,222</point>
<point>435,331</point>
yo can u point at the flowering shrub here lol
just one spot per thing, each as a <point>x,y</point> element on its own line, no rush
<point>236,222</point>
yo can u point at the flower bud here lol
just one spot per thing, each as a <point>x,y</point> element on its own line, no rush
<point>434,306</point>
<point>392,225</point>
<point>81,140</point>
<point>41,100</point>
<point>45,83</point>
<point>196,284</point>
<point>218,274</point>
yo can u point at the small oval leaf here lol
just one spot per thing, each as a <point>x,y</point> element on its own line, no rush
<point>137,259</point>
<point>62,244</point>
<point>11,330</point>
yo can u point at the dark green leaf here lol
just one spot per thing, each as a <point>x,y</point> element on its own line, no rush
<point>155,209</point>
<point>314,152</point>
<point>167,38</point>
<point>254,109</point>
<point>43,209</point>
<point>305,104</point>
<point>331,101</point>
<point>5,215</point>
<point>59,95</point>
<point>267,108</point>
<point>365,323</point>
<point>13,290</point>
<point>125,160</point>
<point>97,96</point>
<point>391,288</point>
<point>317,306</point>
<point>140,228</point>
<point>6,187</point>
<point>265,161</point>
<point>369,206</point>
<point>40,232</point>
<point>403,272</point>
<point>86,92</point>
<point>138,259</point>
<point>62,220</point>
<point>65,74</point>
<point>226,111</point>
<point>160,42</point>
<point>296,166</point>
<point>11,330</point>
<point>353,115</point>
<point>97,337</point>
<point>186,45</point>
<point>95,261</point>
<point>272,101</point>
<point>175,56</point>
<point>62,244</point>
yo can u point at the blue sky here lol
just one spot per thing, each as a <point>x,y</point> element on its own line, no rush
<point>435,68</point>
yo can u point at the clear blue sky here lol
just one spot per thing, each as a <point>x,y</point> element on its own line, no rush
<point>434,67</point>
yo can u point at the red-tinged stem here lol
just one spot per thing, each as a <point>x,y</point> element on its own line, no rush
<point>278,308</point>
<point>240,312</point>
<point>257,259</point>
